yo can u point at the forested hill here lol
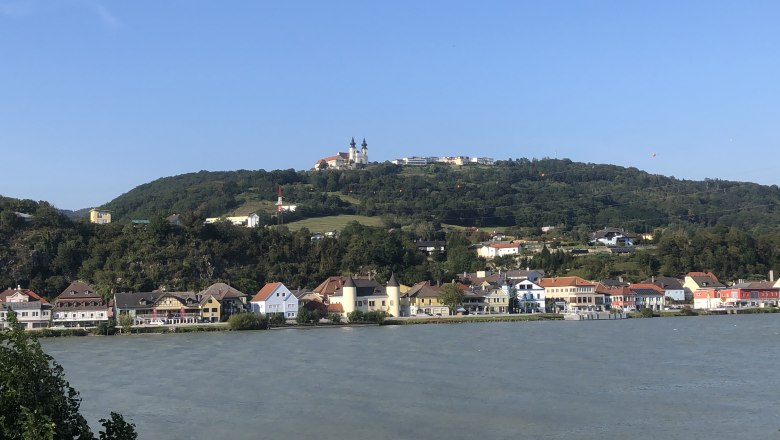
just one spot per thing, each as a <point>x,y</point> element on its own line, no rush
<point>521,192</point>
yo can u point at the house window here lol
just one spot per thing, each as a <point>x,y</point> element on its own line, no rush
<point>214,310</point>
<point>371,303</point>
<point>24,313</point>
<point>383,303</point>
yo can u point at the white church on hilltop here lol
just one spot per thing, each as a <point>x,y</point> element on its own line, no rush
<point>344,161</point>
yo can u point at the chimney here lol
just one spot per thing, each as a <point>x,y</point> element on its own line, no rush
<point>772,276</point>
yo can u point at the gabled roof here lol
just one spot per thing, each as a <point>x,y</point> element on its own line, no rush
<point>221,291</point>
<point>668,283</point>
<point>705,279</point>
<point>10,292</point>
<point>79,290</point>
<point>755,285</point>
<point>364,286</point>
<point>266,292</point>
<point>504,245</point>
<point>134,300</point>
<point>646,289</point>
<point>423,289</point>
<point>605,289</point>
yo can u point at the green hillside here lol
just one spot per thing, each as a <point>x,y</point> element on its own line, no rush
<point>514,193</point>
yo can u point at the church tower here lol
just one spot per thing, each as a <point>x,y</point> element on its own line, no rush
<point>364,153</point>
<point>352,151</point>
<point>348,295</point>
<point>393,290</point>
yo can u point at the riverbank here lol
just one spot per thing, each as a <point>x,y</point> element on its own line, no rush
<point>218,327</point>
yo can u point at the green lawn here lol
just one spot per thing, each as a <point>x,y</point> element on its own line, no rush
<point>333,223</point>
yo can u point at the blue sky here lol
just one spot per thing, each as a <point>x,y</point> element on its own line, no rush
<point>99,96</point>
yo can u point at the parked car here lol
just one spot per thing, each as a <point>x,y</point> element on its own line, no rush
<point>156,322</point>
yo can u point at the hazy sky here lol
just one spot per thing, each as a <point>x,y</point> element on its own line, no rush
<point>99,96</point>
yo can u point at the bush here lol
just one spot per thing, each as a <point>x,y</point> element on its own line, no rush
<point>687,311</point>
<point>307,316</point>
<point>247,321</point>
<point>335,318</point>
<point>646,312</point>
<point>277,319</point>
<point>105,328</point>
<point>375,316</point>
<point>356,316</point>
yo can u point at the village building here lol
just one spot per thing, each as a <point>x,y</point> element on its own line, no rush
<point>531,296</point>
<point>354,158</point>
<point>648,296</point>
<point>700,281</point>
<point>249,221</point>
<point>368,295</point>
<point>423,300</point>
<point>99,216</point>
<point>612,237</point>
<point>275,298</point>
<point>740,295</point>
<point>218,301</point>
<point>571,294</point>
<point>492,250</point>
<point>158,307</point>
<point>79,306</point>
<point>32,311</point>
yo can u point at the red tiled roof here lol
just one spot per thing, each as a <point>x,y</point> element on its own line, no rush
<point>564,282</point>
<point>266,291</point>
<point>505,245</point>
<point>9,292</point>
<point>335,308</point>
<point>646,286</point>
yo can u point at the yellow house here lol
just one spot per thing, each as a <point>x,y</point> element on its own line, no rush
<point>99,216</point>
<point>210,309</point>
<point>423,299</point>
<point>219,301</point>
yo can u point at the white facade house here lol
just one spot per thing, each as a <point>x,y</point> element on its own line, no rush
<point>31,310</point>
<point>79,306</point>
<point>499,249</point>
<point>275,298</point>
<point>530,296</point>
<point>612,237</point>
<point>250,221</point>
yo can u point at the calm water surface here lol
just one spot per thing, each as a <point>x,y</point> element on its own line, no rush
<point>670,378</point>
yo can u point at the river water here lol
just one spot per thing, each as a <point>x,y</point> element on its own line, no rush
<point>670,378</point>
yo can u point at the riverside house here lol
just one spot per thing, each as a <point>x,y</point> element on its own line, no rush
<point>572,294</point>
<point>31,309</point>
<point>79,306</point>
<point>275,298</point>
<point>158,307</point>
<point>218,301</point>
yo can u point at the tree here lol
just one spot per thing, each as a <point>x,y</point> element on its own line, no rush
<point>116,428</point>
<point>126,322</point>
<point>451,295</point>
<point>36,402</point>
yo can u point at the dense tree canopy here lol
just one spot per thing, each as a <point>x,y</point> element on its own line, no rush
<point>36,402</point>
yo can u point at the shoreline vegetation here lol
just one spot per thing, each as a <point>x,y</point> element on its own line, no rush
<point>223,326</point>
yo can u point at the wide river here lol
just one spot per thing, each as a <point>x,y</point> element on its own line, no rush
<point>667,378</point>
